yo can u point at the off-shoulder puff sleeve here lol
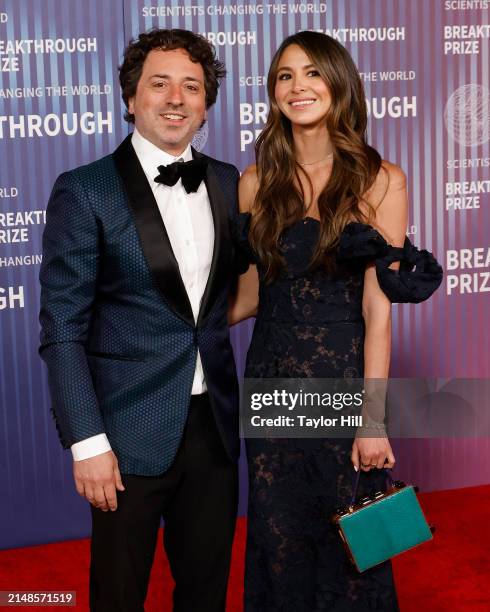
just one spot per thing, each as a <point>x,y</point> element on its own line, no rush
<point>419,274</point>
<point>244,255</point>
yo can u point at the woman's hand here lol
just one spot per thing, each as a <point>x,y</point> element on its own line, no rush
<point>369,453</point>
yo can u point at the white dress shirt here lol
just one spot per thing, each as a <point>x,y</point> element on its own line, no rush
<point>189,223</point>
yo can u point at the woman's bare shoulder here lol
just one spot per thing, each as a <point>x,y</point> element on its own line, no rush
<point>395,175</point>
<point>390,176</point>
<point>389,199</point>
<point>389,180</point>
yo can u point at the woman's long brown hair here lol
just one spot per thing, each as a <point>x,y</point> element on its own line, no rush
<point>280,199</point>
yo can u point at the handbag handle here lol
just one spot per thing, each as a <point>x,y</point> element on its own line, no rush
<point>355,485</point>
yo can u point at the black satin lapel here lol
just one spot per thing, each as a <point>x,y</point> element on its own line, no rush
<point>221,255</point>
<point>151,230</point>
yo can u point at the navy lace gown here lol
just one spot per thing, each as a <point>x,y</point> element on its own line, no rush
<point>309,324</point>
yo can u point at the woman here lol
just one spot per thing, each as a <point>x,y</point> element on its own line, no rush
<point>321,219</point>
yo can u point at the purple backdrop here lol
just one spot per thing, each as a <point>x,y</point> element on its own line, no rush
<point>426,72</point>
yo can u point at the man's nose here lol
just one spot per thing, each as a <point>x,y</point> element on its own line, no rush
<point>174,95</point>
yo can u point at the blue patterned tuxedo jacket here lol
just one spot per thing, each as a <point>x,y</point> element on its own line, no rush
<point>117,330</point>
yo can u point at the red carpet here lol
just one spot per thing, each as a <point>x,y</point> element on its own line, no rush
<point>451,573</point>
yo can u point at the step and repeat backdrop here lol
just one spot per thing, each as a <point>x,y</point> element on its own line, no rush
<point>426,73</point>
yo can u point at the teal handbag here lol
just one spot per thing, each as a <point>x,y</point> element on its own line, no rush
<point>383,525</point>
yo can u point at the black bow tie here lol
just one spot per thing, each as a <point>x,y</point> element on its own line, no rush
<point>191,173</point>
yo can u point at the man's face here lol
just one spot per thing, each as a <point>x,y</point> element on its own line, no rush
<point>170,101</point>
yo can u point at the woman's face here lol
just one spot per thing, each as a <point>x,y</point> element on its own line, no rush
<point>301,93</point>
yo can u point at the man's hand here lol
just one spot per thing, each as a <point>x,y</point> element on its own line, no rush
<point>369,453</point>
<point>97,479</point>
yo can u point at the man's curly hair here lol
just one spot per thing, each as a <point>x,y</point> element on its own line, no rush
<point>198,48</point>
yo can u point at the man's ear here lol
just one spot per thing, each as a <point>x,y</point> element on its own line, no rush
<point>131,105</point>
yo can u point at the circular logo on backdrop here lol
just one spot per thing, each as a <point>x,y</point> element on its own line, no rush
<point>200,138</point>
<point>467,115</point>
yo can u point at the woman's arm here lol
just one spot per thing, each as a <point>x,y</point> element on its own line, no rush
<point>245,299</point>
<point>391,221</point>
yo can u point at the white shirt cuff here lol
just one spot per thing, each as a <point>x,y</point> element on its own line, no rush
<point>90,447</point>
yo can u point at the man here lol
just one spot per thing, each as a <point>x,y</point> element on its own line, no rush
<point>136,270</point>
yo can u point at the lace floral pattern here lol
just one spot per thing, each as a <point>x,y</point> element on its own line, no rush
<point>295,560</point>
<point>310,324</point>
